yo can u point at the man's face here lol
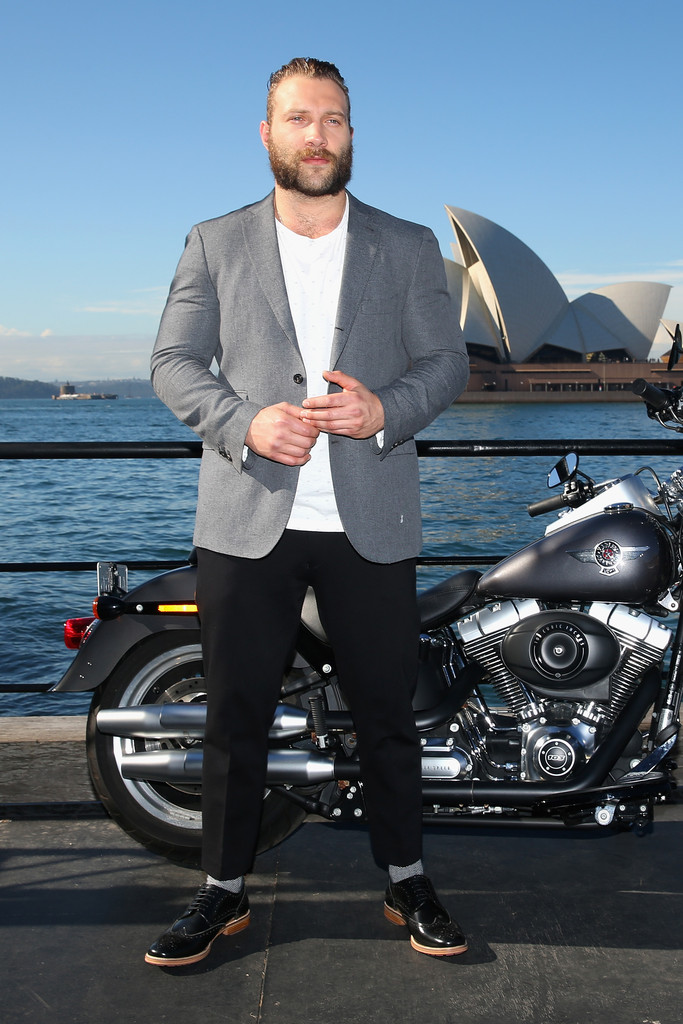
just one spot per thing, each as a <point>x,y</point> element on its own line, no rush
<point>309,137</point>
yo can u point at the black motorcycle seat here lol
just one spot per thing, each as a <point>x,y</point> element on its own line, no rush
<point>437,605</point>
<point>441,603</point>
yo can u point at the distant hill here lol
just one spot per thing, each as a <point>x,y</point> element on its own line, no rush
<point>13,387</point>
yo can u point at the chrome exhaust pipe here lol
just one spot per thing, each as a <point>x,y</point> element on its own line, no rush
<point>150,721</point>
<point>176,767</point>
<point>186,721</point>
<point>285,767</point>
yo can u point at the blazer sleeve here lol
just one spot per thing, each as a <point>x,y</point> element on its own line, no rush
<point>187,343</point>
<point>431,334</point>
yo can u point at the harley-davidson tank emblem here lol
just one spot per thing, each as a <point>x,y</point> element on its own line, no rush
<point>608,555</point>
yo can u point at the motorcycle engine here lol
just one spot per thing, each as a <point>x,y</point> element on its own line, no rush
<point>564,674</point>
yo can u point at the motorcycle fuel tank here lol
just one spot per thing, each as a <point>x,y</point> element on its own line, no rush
<point>623,554</point>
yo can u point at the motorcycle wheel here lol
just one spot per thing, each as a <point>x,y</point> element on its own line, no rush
<point>163,817</point>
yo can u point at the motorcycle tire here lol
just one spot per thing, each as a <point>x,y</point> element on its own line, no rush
<point>165,818</point>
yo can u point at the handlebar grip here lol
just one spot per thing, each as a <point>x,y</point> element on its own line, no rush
<point>654,396</point>
<point>539,508</point>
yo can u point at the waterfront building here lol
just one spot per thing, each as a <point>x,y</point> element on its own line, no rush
<point>524,335</point>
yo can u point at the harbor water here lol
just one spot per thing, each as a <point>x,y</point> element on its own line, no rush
<point>122,510</point>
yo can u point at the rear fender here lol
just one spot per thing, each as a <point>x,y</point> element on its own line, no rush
<point>110,641</point>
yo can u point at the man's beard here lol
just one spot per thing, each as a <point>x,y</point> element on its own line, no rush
<point>292,174</point>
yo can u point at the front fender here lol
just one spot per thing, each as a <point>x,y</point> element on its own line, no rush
<point>110,641</point>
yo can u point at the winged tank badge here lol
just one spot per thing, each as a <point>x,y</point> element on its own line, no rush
<point>608,555</point>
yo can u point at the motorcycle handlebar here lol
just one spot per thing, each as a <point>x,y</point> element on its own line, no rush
<point>654,396</point>
<point>539,508</point>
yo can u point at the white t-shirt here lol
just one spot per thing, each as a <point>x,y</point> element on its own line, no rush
<point>313,270</point>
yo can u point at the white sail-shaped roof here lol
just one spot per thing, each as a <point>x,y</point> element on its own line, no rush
<point>524,295</point>
<point>476,321</point>
<point>629,311</point>
<point>509,301</point>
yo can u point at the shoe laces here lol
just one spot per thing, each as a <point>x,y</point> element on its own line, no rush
<point>204,899</point>
<point>418,888</point>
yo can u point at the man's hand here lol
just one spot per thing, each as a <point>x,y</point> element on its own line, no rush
<point>355,411</point>
<point>278,433</point>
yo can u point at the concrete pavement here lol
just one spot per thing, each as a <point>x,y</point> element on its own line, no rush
<point>565,927</point>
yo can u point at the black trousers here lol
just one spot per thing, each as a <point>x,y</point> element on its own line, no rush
<point>249,611</point>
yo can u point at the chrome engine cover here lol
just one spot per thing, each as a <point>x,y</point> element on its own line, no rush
<point>560,727</point>
<point>558,738</point>
<point>441,759</point>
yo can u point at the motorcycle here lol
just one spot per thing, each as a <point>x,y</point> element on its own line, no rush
<point>549,685</point>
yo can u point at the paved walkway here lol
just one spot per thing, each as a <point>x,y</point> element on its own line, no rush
<point>565,927</point>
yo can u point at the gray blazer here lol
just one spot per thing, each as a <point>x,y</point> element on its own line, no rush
<point>396,332</point>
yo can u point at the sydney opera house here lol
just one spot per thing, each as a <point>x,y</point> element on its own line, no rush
<point>525,336</point>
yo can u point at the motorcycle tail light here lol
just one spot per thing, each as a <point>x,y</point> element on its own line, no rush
<point>75,630</point>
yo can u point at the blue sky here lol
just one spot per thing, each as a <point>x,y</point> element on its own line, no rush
<point>125,123</point>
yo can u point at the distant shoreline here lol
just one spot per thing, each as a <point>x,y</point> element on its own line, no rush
<point>15,387</point>
<point>546,397</point>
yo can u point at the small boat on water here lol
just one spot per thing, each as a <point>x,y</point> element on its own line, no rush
<point>68,391</point>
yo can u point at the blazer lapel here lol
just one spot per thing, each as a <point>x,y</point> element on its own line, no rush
<point>260,239</point>
<point>361,249</point>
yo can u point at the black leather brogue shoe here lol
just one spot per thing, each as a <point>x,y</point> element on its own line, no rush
<point>213,912</point>
<point>413,902</point>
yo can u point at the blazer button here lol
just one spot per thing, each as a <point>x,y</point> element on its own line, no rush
<point>297,378</point>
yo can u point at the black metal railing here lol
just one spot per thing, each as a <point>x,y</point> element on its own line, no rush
<point>497,448</point>
<point>440,449</point>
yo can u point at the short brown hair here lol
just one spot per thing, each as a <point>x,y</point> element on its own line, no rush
<point>307,67</point>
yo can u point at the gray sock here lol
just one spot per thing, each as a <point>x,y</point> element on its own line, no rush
<point>399,874</point>
<point>231,884</point>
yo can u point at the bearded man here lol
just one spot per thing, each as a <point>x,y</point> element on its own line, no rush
<point>335,341</point>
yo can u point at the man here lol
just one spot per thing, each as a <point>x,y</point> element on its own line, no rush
<point>335,342</point>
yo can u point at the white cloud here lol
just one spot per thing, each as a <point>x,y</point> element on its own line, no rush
<point>12,332</point>
<point>151,305</point>
<point>51,357</point>
<point>577,282</point>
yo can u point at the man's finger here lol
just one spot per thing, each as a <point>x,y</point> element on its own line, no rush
<point>344,380</point>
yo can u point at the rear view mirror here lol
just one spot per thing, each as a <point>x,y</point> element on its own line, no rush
<point>563,470</point>
<point>676,348</point>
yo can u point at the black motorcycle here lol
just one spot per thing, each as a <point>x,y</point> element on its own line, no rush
<point>549,686</point>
